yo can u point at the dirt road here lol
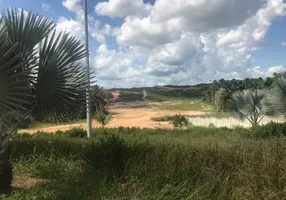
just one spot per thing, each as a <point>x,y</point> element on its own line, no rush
<point>127,118</point>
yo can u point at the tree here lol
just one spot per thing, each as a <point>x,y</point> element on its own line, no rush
<point>248,105</point>
<point>180,121</point>
<point>40,76</point>
<point>103,118</point>
<point>221,98</point>
<point>275,98</point>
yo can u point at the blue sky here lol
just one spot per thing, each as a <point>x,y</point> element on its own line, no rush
<point>145,43</point>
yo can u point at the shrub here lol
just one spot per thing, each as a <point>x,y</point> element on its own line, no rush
<point>165,118</point>
<point>103,118</point>
<point>271,129</point>
<point>180,121</point>
<point>76,133</point>
<point>211,125</point>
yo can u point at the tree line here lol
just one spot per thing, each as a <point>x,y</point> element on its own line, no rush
<point>219,92</point>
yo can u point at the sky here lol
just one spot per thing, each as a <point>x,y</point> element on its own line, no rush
<point>136,43</point>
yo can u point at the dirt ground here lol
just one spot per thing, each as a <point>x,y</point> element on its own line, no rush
<point>127,118</point>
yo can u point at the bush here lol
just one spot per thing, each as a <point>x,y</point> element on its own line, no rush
<point>211,125</point>
<point>271,129</point>
<point>180,121</point>
<point>76,133</point>
<point>103,118</point>
<point>165,118</point>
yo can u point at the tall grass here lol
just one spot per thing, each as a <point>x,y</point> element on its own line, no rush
<point>200,163</point>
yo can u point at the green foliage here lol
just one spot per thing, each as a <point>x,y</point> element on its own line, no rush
<point>40,75</point>
<point>103,118</point>
<point>152,96</point>
<point>211,125</point>
<point>275,98</point>
<point>43,80</point>
<point>199,163</point>
<point>180,121</point>
<point>76,133</point>
<point>165,118</point>
<point>29,122</point>
<point>271,129</point>
<point>127,96</point>
<point>183,104</point>
<point>171,91</point>
<point>235,85</point>
<point>221,97</point>
<point>248,105</point>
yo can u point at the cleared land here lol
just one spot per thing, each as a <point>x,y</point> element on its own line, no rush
<point>126,118</point>
<point>138,108</point>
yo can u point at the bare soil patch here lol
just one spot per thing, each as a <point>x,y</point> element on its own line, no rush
<point>125,117</point>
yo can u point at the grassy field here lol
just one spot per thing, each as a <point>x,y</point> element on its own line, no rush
<point>129,163</point>
<point>38,125</point>
<point>188,104</point>
<point>129,96</point>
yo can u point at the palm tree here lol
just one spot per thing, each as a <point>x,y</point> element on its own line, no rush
<point>248,105</point>
<point>275,100</point>
<point>43,81</point>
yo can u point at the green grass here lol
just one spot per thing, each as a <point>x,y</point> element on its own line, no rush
<point>177,93</point>
<point>128,96</point>
<point>165,118</point>
<point>151,96</point>
<point>187,104</point>
<point>38,125</point>
<point>132,163</point>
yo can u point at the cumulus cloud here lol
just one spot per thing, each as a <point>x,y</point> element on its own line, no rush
<point>202,15</point>
<point>257,71</point>
<point>275,69</point>
<point>71,26</point>
<point>141,32</point>
<point>72,5</point>
<point>182,41</point>
<point>123,8</point>
<point>76,27</point>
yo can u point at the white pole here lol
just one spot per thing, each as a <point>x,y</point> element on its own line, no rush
<point>88,110</point>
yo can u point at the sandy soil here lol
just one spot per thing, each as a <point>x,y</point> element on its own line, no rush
<point>126,118</point>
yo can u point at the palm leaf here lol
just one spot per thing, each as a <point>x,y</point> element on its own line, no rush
<point>275,99</point>
<point>60,78</point>
<point>248,105</point>
<point>15,78</point>
<point>26,30</point>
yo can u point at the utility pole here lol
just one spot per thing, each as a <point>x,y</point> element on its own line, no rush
<point>88,109</point>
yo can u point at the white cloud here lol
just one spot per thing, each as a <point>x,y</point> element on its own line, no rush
<point>275,69</point>
<point>283,44</point>
<point>72,5</point>
<point>71,26</point>
<point>203,15</point>
<point>184,42</point>
<point>46,7</point>
<point>259,72</point>
<point>123,8</point>
<point>141,32</point>
<point>76,27</point>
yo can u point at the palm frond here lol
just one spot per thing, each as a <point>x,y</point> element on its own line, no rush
<point>15,78</point>
<point>248,105</point>
<point>60,77</point>
<point>26,30</point>
<point>275,99</point>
